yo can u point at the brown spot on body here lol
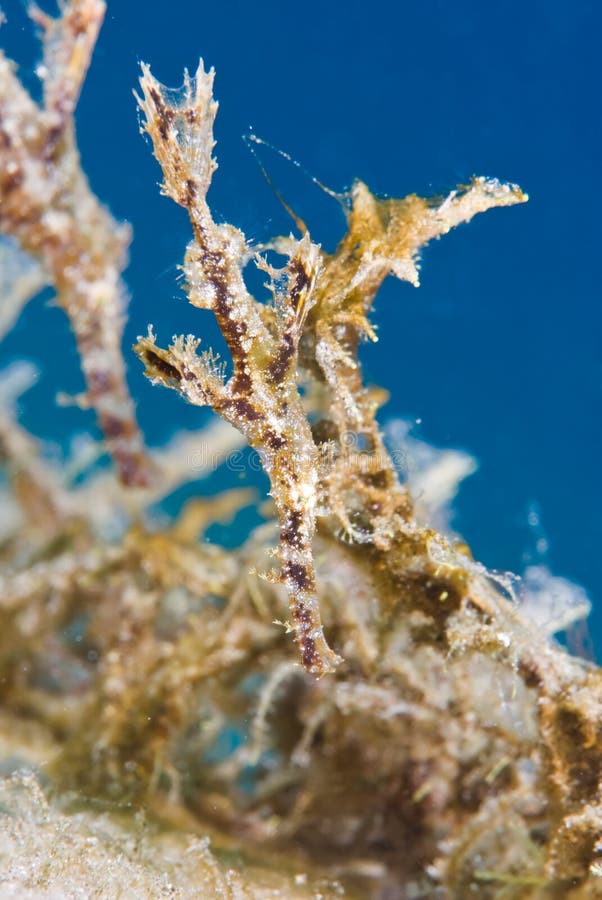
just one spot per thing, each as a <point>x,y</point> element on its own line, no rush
<point>289,531</point>
<point>307,645</point>
<point>241,382</point>
<point>157,365</point>
<point>114,427</point>
<point>279,365</point>
<point>214,270</point>
<point>166,116</point>
<point>245,410</point>
<point>309,654</point>
<point>274,441</point>
<point>233,330</point>
<point>299,575</point>
<point>191,191</point>
<point>300,282</point>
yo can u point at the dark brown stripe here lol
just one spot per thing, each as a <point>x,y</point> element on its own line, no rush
<point>300,283</point>
<point>279,366</point>
<point>155,362</point>
<point>289,532</point>
<point>298,574</point>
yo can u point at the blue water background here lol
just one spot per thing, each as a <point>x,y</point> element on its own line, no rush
<point>498,352</point>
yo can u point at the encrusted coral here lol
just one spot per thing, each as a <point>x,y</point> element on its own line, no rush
<point>450,748</point>
<point>47,205</point>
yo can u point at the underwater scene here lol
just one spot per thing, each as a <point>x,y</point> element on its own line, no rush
<point>300,429</point>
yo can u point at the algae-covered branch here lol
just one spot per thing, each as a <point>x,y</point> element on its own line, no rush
<point>419,735</point>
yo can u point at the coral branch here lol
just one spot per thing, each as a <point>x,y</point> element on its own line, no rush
<point>21,278</point>
<point>261,397</point>
<point>384,237</point>
<point>68,45</point>
<point>46,204</point>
